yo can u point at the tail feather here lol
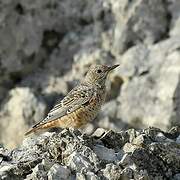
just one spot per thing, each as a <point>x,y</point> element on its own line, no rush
<point>32,130</point>
<point>47,125</point>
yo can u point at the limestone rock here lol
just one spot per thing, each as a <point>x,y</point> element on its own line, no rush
<point>138,21</point>
<point>173,7</point>
<point>21,110</point>
<point>149,95</point>
<point>48,45</point>
<point>68,155</point>
<point>59,172</point>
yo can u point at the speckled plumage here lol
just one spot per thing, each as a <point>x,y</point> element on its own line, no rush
<point>81,104</point>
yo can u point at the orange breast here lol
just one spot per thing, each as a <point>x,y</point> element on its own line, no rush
<point>82,115</point>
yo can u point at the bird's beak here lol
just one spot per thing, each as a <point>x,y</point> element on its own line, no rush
<point>110,68</point>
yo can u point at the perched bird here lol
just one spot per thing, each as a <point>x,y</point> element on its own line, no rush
<point>81,104</point>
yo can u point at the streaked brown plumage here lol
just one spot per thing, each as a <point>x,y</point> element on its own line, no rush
<point>81,104</point>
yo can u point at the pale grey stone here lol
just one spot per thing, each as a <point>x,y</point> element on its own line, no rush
<point>149,96</point>
<point>47,46</point>
<point>59,172</point>
<point>138,21</point>
<point>104,153</point>
<point>60,156</point>
<point>99,132</point>
<point>176,176</point>
<point>178,139</point>
<point>112,172</point>
<point>21,110</point>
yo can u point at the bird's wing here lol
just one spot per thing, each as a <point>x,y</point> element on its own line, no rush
<point>75,99</point>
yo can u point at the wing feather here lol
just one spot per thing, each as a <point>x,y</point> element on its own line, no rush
<point>77,97</point>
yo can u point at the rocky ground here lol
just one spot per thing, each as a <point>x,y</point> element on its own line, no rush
<point>141,155</point>
<point>46,47</point>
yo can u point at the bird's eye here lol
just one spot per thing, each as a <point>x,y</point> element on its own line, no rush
<point>99,71</point>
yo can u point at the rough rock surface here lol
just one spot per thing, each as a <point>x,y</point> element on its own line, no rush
<point>144,154</point>
<point>21,110</point>
<point>46,47</point>
<point>138,21</point>
<point>150,95</point>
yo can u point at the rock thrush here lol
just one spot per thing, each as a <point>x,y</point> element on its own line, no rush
<point>81,104</point>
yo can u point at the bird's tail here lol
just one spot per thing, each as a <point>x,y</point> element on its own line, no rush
<point>31,130</point>
<point>42,126</point>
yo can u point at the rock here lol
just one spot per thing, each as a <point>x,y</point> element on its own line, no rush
<point>115,140</point>
<point>176,176</point>
<point>161,137</point>
<point>46,37</point>
<point>142,175</point>
<point>3,91</point>
<point>22,109</point>
<point>156,83</point>
<point>104,153</point>
<point>77,162</point>
<point>175,30</point>
<point>99,132</point>
<point>38,173</point>
<point>84,59</point>
<point>132,134</point>
<point>47,83</point>
<point>59,172</point>
<point>112,172</point>
<point>127,173</point>
<point>106,117</point>
<point>172,148</point>
<point>6,172</point>
<point>178,140</point>
<point>88,176</point>
<point>68,155</point>
<point>173,7</point>
<point>80,176</point>
<point>126,160</point>
<point>109,109</point>
<point>140,21</point>
<point>174,132</point>
<point>128,147</point>
<point>47,46</point>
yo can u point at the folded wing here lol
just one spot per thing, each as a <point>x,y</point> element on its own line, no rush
<point>75,99</point>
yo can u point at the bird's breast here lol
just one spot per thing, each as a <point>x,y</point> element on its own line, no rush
<point>95,104</point>
<point>86,113</point>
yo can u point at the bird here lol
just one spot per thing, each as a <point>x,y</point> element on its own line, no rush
<point>81,105</point>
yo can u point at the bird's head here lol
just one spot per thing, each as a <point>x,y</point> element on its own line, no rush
<point>97,74</point>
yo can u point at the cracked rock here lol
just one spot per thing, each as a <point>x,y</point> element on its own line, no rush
<point>62,156</point>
